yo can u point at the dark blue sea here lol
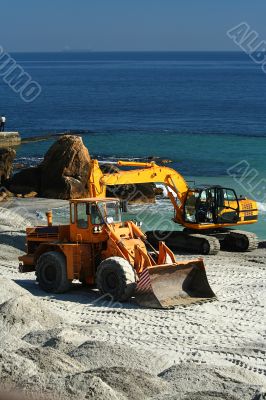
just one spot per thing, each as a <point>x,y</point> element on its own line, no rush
<point>204,111</point>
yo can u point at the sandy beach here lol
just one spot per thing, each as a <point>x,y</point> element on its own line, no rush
<point>78,345</point>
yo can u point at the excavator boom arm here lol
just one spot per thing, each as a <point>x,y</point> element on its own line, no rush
<point>150,173</point>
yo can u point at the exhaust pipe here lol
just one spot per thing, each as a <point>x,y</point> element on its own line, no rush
<point>49,216</point>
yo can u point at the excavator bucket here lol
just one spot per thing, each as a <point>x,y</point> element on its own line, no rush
<point>169,285</point>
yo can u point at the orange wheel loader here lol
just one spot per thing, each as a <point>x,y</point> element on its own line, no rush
<point>96,247</point>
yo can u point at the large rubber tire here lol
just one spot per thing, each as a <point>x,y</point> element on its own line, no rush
<point>116,277</point>
<point>51,272</point>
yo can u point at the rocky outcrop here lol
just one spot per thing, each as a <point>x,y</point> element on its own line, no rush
<point>63,174</point>
<point>7,157</point>
<point>133,193</point>
<point>9,139</point>
<point>65,169</point>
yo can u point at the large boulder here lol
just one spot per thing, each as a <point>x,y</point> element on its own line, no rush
<point>65,169</point>
<point>7,157</point>
<point>133,193</point>
<point>63,174</point>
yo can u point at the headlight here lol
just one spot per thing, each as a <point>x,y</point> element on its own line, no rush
<point>97,229</point>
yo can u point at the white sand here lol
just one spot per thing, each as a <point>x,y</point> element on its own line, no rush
<point>81,346</point>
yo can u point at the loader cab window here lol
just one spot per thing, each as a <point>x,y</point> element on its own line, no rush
<point>94,212</point>
<point>110,211</point>
<point>82,218</point>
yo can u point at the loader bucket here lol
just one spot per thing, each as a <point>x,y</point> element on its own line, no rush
<point>166,286</point>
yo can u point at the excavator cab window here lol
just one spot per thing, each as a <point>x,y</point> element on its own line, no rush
<point>206,206</point>
<point>190,206</point>
<point>200,206</point>
<point>227,206</point>
<point>213,205</point>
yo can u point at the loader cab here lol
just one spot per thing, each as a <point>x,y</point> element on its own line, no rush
<point>211,205</point>
<point>88,217</point>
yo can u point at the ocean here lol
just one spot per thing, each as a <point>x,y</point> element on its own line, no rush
<point>204,111</point>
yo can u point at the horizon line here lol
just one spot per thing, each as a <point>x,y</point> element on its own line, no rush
<point>124,51</point>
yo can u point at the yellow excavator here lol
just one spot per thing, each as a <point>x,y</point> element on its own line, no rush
<point>206,212</point>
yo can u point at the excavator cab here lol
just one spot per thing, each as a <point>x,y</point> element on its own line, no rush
<point>211,205</point>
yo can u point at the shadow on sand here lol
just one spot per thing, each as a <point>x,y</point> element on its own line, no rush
<point>78,295</point>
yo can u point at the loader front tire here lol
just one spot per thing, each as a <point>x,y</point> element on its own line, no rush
<point>116,277</point>
<point>51,272</point>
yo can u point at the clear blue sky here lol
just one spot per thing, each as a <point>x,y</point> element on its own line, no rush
<point>51,25</point>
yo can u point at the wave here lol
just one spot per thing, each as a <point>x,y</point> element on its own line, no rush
<point>27,162</point>
<point>262,208</point>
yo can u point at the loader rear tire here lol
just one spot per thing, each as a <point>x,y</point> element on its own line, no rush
<point>116,277</point>
<point>51,272</point>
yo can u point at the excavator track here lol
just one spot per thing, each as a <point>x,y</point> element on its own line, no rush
<point>190,242</point>
<point>240,241</point>
<point>211,244</point>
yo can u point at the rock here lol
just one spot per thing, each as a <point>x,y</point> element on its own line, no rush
<point>63,174</point>
<point>133,193</point>
<point>31,194</point>
<point>9,139</point>
<point>18,166</point>
<point>7,157</point>
<point>158,191</point>
<point>3,196</point>
<point>159,160</point>
<point>65,169</point>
